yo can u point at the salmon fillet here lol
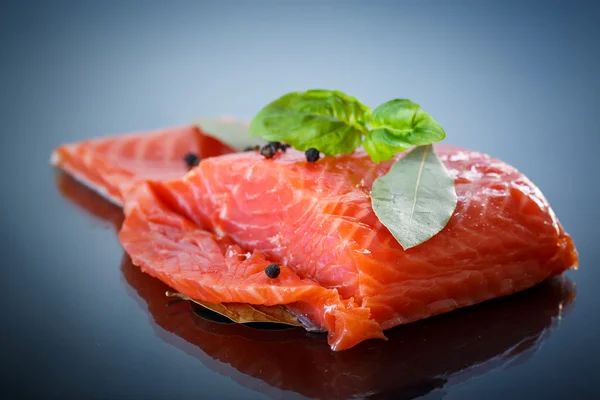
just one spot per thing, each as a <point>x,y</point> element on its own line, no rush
<point>209,233</point>
<point>497,334</point>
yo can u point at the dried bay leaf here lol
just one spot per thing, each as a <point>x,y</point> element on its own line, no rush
<point>242,313</point>
<point>416,198</point>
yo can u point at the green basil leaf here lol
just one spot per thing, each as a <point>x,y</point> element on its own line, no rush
<point>328,120</point>
<point>416,198</point>
<point>407,122</point>
<point>382,145</point>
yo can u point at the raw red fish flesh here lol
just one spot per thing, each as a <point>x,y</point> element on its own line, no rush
<point>209,233</point>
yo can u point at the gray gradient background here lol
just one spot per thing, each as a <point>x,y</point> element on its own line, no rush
<point>516,79</point>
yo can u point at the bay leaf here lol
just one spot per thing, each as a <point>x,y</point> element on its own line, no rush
<point>242,313</point>
<point>416,198</point>
<point>231,131</point>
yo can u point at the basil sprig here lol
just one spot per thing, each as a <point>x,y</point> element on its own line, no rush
<point>336,123</point>
<point>416,198</point>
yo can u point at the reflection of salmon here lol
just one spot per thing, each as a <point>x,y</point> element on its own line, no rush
<point>340,267</point>
<point>473,341</point>
<point>88,200</point>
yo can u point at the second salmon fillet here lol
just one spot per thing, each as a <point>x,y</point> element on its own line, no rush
<point>211,232</point>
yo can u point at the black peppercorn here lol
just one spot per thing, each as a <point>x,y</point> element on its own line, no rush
<point>284,147</point>
<point>191,159</point>
<point>312,154</point>
<point>268,150</point>
<point>252,148</point>
<point>272,271</point>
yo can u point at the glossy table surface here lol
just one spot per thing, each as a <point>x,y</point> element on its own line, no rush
<point>518,80</point>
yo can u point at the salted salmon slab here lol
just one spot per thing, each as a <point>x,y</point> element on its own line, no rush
<point>209,233</point>
<point>496,334</point>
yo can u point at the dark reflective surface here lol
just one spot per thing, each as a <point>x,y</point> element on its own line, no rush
<point>516,79</point>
